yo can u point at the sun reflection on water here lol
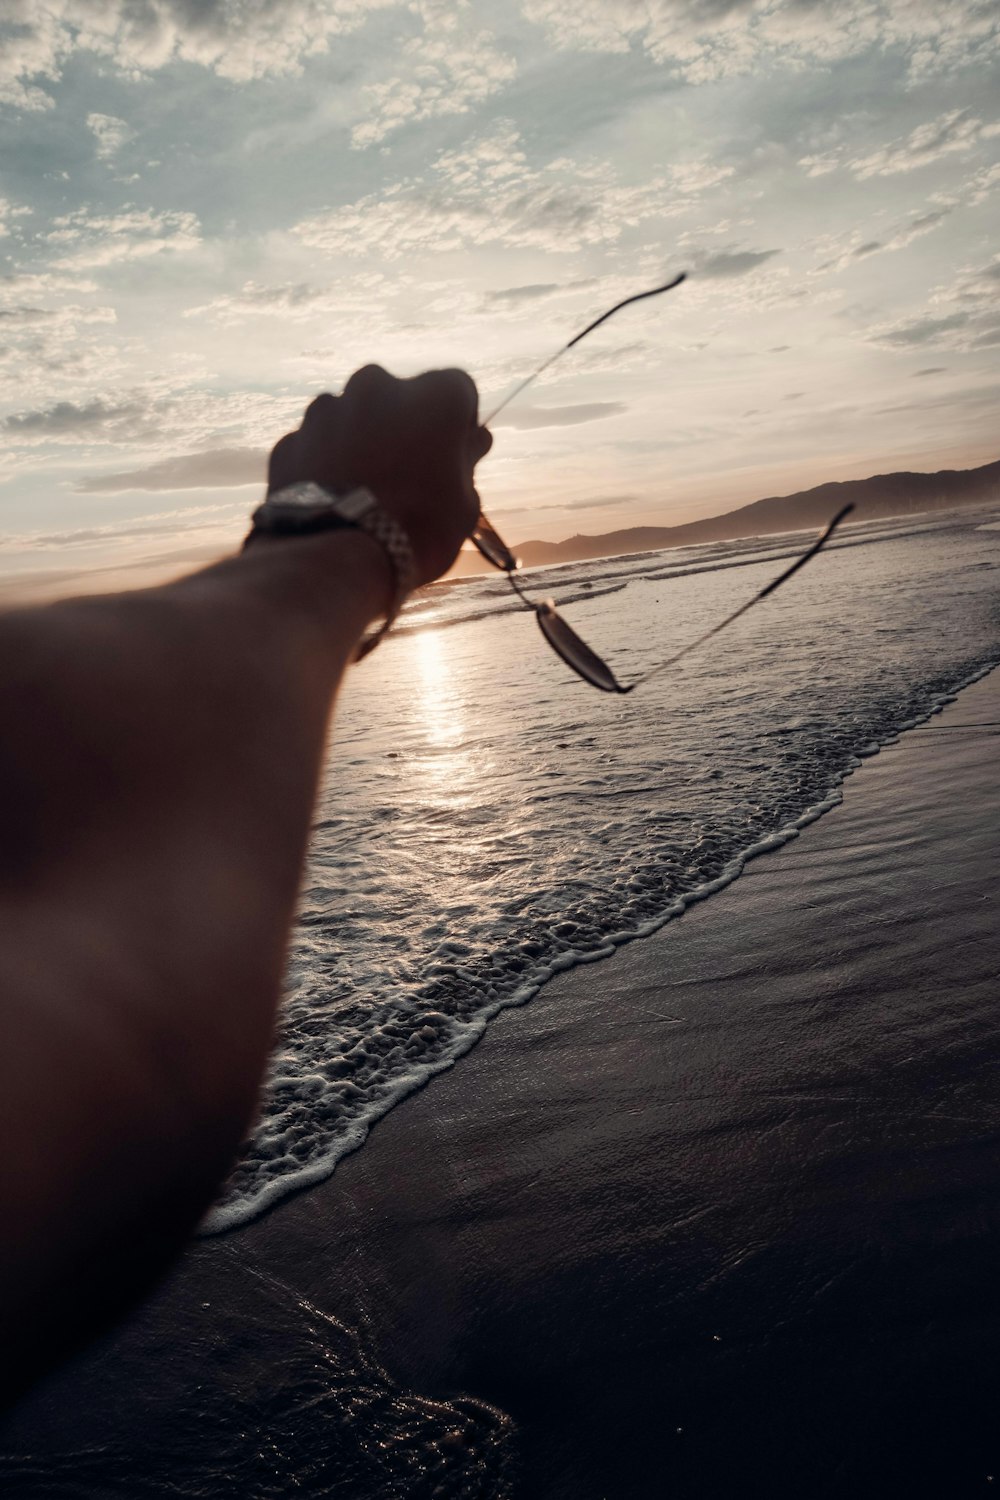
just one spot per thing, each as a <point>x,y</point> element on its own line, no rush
<point>439,706</point>
<point>445,764</point>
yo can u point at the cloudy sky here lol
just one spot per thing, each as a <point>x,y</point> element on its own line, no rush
<point>210,209</point>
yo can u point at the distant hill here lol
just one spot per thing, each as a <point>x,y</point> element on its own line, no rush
<point>882,495</point>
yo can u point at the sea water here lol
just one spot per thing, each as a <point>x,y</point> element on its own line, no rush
<point>487,819</point>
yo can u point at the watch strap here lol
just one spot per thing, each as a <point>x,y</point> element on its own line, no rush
<point>300,509</point>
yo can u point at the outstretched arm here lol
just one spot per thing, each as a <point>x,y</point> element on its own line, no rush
<point>159,756</point>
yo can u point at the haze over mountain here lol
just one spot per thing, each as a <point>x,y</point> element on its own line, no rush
<point>880,496</point>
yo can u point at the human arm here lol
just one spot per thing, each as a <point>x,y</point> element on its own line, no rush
<point>159,755</point>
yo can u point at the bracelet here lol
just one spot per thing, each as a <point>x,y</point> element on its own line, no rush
<point>299,509</point>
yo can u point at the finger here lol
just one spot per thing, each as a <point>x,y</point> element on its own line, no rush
<point>371,386</point>
<point>448,398</point>
<point>320,410</point>
<point>282,466</point>
<point>370,411</point>
<point>482,442</point>
<point>317,446</point>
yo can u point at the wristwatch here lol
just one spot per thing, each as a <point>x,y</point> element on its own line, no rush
<point>299,509</point>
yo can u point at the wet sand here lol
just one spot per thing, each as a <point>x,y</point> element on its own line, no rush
<point>718,1215</point>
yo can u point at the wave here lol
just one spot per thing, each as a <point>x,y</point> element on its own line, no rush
<point>405,1047</point>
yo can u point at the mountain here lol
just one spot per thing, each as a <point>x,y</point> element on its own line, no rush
<point>883,495</point>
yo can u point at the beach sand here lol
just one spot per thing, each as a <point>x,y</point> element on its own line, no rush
<point>718,1215</point>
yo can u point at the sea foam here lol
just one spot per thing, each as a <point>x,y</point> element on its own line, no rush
<point>489,821</point>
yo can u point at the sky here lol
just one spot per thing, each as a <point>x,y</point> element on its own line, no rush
<point>212,209</point>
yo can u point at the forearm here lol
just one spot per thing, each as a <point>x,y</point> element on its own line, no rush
<point>159,762</point>
<point>159,755</point>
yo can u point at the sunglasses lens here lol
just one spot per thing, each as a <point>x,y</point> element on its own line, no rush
<point>575,652</point>
<point>493,549</point>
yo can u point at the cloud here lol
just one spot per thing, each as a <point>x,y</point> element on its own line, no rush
<point>972,325</point>
<point>617,357</point>
<point>532,417</point>
<point>444,74</point>
<point>19,283</point>
<point>237,39</point>
<point>852,248</point>
<point>968,399</point>
<point>453,64</point>
<point>595,502</point>
<point>94,240</point>
<point>702,41</point>
<point>600,502</point>
<point>955,132</point>
<point>446,69</point>
<point>488,194</point>
<point>514,295</point>
<point>66,419</point>
<point>26,316</point>
<point>219,434</point>
<point>734,262</point>
<point>918,226</point>
<point>217,469</point>
<point>519,217</point>
<point>111,133</point>
<point>822,163</point>
<point>909,335</point>
<point>977,188</point>
<point>691,178</point>
<point>931,370</point>
<point>979,285</point>
<point>296,300</point>
<point>42,335</point>
<point>160,523</point>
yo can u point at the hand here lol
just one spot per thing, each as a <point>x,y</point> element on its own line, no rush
<point>414,443</point>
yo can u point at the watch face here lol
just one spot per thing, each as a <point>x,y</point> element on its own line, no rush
<point>305,496</point>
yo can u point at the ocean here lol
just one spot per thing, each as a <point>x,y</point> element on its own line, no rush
<point>489,820</point>
<point>745,1244</point>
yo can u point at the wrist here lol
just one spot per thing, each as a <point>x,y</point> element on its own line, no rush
<point>306,508</point>
<point>342,575</point>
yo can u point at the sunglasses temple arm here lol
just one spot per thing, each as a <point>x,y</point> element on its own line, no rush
<point>775,583</point>
<point>523,385</point>
<point>656,291</point>
<point>626,301</point>
<point>810,553</point>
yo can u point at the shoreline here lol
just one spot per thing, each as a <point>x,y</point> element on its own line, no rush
<point>719,1212</point>
<point>226,1219</point>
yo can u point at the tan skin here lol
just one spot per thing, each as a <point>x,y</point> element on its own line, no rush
<point>159,757</point>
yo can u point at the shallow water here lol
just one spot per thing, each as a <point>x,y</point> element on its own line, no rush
<point>488,819</point>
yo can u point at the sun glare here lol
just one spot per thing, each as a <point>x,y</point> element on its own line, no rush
<point>439,704</point>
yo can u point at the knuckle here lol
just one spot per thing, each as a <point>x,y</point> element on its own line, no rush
<point>321,408</point>
<point>463,389</point>
<point>452,394</point>
<point>281,465</point>
<point>369,380</point>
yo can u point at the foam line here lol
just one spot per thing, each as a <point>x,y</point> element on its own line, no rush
<point>467,1031</point>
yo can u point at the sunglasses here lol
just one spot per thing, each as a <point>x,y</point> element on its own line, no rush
<point>561,636</point>
<point>574,650</point>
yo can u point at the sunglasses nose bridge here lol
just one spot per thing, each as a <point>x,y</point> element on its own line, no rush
<point>560,636</point>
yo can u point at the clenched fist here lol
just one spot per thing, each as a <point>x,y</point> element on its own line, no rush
<point>414,443</point>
